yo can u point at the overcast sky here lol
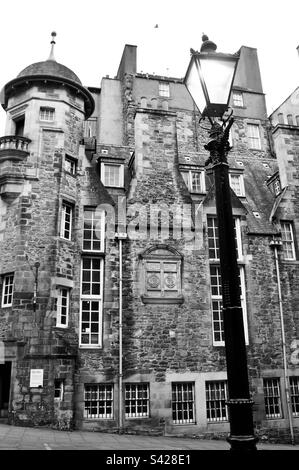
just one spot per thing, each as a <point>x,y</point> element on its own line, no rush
<point>91,35</point>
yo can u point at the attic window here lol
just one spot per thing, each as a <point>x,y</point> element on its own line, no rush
<point>164,89</point>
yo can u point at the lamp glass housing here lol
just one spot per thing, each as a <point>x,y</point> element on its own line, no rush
<point>209,80</point>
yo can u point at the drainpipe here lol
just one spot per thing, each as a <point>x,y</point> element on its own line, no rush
<point>275,244</point>
<point>120,236</point>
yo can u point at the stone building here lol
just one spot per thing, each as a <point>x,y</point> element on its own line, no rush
<point>110,312</point>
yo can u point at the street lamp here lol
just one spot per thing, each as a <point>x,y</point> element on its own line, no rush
<point>209,80</point>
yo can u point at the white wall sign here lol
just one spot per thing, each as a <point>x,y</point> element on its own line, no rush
<point>36,377</point>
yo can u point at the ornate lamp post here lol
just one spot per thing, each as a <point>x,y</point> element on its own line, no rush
<point>209,79</point>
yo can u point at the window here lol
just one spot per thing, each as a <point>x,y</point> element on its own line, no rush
<point>294,393</point>
<point>7,290</point>
<point>238,99</point>
<point>254,138</point>
<point>19,126</point>
<point>66,221</point>
<point>162,276</point>
<point>280,118</point>
<point>94,229</point>
<point>237,183</point>
<point>112,174</point>
<point>58,390</point>
<point>91,302</point>
<point>70,165</point>
<point>272,398</point>
<point>277,186</point>
<point>98,401</point>
<point>216,397</point>
<point>46,114</point>
<point>216,298</point>
<point>288,245</point>
<point>290,119</point>
<point>63,307</point>
<point>164,89</point>
<point>213,238</point>
<point>183,408</point>
<point>137,400</point>
<point>297,120</point>
<point>194,180</point>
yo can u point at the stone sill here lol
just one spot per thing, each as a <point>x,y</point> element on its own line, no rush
<point>159,300</point>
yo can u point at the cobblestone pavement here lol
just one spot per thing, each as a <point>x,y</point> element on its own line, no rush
<point>22,438</point>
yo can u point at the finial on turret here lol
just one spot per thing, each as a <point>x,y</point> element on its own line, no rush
<point>51,56</point>
<point>207,45</point>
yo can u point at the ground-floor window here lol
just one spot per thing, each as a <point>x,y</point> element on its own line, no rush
<point>98,401</point>
<point>272,398</point>
<point>59,389</point>
<point>137,400</point>
<point>216,397</point>
<point>294,393</point>
<point>183,407</point>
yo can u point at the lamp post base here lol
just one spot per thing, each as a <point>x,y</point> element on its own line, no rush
<point>242,443</point>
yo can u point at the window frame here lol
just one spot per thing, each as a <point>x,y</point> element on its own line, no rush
<point>142,399</point>
<point>208,394</point>
<point>164,89</point>
<point>73,162</point>
<point>273,396</point>
<point>10,287</point>
<point>91,298</point>
<point>121,174</point>
<point>238,98</point>
<point>63,222</point>
<point>45,109</point>
<point>189,180</point>
<point>254,141</point>
<point>174,403</point>
<point>102,220</point>
<point>106,389</point>
<point>60,388</point>
<point>294,395</point>
<point>60,306</point>
<point>291,242</point>
<point>240,176</point>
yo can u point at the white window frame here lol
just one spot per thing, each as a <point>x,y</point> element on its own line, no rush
<point>63,309</point>
<point>60,388</point>
<point>46,113</point>
<point>215,238</point>
<point>91,298</point>
<point>97,223</point>
<point>277,186</point>
<point>216,397</point>
<point>238,100</point>
<point>183,402</point>
<point>104,394</point>
<point>271,386</point>
<point>289,242</point>
<point>120,166</point>
<point>73,165</point>
<point>241,191</point>
<point>133,400</point>
<point>254,136</point>
<point>66,218</point>
<point>164,89</point>
<point>187,176</point>
<point>294,395</point>
<point>7,289</point>
<point>218,298</point>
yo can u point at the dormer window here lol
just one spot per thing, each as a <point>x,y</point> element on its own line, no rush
<point>47,114</point>
<point>112,174</point>
<point>237,183</point>
<point>164,89</point>
<point>238,99</point>
<point>194,180</point>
